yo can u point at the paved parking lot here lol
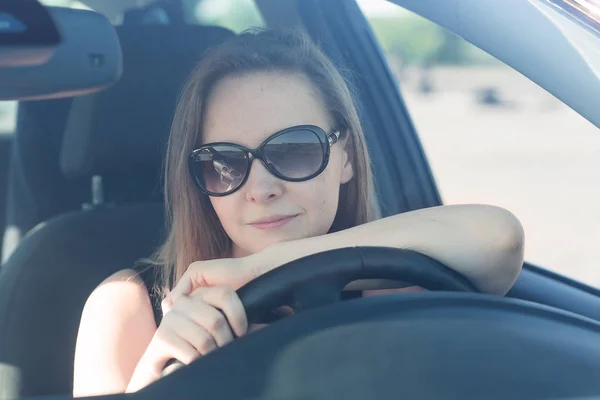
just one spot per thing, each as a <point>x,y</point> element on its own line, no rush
<point>532,155</point>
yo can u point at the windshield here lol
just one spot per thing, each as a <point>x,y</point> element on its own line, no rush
<point>493,136</point>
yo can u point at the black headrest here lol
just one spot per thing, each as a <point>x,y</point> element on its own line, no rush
<point>125,128</point>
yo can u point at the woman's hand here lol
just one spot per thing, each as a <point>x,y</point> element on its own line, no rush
<point>230,272</point>
<point>194,325</point>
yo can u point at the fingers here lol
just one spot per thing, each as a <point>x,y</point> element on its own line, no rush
<point>197,336</point>
<point>194,277</point>
<point>233,272</point>
<point>213,322</point>
<point>181,338</point>
<point>208,318</point>
<point>225,299</point>
<point>174,346</point>
<point>184,287</point>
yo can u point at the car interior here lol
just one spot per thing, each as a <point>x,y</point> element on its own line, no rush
<point>117,135</point>
<point>83,187</point>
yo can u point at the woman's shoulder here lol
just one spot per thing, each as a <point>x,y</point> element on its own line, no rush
<point>124,275</point>
<point>131,287</point>
<point>123,289</point>
<point>116,326</point>
<point>118,300</point>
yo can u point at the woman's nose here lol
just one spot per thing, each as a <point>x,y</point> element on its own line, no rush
<point>262,186</point>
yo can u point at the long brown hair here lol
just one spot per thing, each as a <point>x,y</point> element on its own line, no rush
<point>195,233</point>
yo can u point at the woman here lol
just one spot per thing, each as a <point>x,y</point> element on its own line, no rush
<point>275,97</point>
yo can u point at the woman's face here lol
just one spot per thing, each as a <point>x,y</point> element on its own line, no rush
<point>266,210</point>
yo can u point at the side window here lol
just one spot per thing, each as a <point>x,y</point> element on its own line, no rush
<point>65,3</point>
<point>8,117</point>
<point>237,15</point>
<point>492,136</point>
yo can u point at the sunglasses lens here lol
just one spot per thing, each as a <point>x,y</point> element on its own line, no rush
<point>220,168</point>
<point>296,154</point>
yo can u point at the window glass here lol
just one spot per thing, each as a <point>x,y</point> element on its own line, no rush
<point>8,117</point>
<point>57,3</point>
<point>492,136</point>
<point>65,3</point>
<point>237,15</point>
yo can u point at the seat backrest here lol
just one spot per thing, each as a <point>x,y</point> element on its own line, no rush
<point>118,134</point>
<point>36,188</point>
<point>133,113</point>
<point>44,286</point>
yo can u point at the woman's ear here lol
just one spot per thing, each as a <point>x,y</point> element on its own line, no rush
<point>347,162</point>
<point>347,172</point>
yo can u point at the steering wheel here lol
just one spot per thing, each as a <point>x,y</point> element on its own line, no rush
<point>319,279</point>
<point>415,345</point>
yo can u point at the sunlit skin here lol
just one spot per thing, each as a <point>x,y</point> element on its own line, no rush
<point>248,109</point>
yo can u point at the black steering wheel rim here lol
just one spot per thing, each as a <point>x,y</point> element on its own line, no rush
<point>319,279</point>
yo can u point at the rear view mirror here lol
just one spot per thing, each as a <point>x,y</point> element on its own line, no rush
<point>28,35</point>
<point>84,57</point>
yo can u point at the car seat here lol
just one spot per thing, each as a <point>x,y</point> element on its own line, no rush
<point>114,139</point>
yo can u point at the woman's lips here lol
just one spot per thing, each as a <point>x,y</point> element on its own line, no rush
<point>272,222</point>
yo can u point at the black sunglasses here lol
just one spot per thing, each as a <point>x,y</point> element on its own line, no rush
<point>295,154</point>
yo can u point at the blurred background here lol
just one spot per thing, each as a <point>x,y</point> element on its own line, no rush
<point>491,135</point>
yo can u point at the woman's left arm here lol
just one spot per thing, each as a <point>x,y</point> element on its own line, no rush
<point>483,243</point>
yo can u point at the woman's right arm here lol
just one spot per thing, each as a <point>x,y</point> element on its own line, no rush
<point>119,348</point>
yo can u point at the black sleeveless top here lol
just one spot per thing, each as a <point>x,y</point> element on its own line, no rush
<point>148,273</point>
